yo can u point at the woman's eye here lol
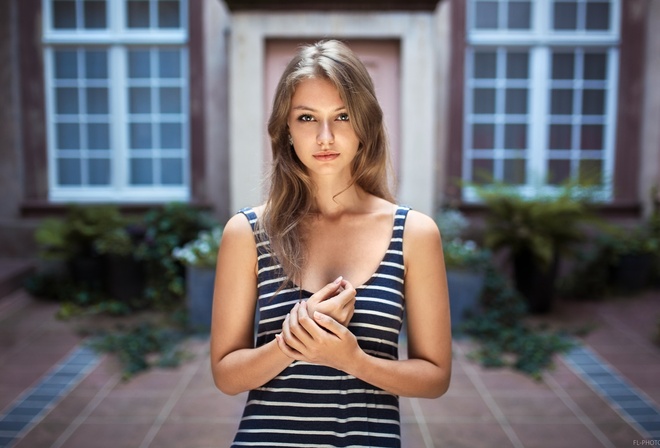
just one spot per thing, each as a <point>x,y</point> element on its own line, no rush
<point>342,117</point>
<point>305,117</point>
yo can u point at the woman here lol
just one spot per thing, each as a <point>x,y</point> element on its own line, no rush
<point>325,370</point>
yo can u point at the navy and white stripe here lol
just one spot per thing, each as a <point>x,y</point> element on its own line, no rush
<point>312,405</point>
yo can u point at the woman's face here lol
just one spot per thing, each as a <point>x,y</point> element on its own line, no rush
<point>321,129</point>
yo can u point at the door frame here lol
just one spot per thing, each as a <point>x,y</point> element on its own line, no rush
<point>415,31</point>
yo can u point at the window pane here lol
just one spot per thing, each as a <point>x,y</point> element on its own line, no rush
<point>68,136</point>
<point>565,16</point>
<point>598,16</point>
<point>66,64</point>
<point>142,172</point>
<point>561,102</point>
<point>94,12</point>
<point>486,14</point>
<point>560,136</point>
<point>591,136</point>
<point>593,102</point>
<point>559,171</point>
<point>484,101</point>
<point>139,100</point>
<point>66,100</point>
<point>514,171</point>
<point>591,172</point>
<point>171,136</point>
<point>140,135</point>
<point>515,136</point>
<point>170,100</point>
<point>168,14</point>
<point>517,65</point>
<point>68,172</point>
<point>96,65</point>
<point>516,101</point>
<point>64,14</point>
<point>138,13</point>
<point>171,171</point>
<point>97,100</point>
<point>169,64</point>
<point>98,136</point>
<point>519,15</point>
<point>483,136</point>
<point>483,171</point>
<point>138,64</point>
<point>595,66</point>
<point>98,171</point>
<point>563,66</point>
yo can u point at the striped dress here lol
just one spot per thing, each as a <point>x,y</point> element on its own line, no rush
<point>309,405</point>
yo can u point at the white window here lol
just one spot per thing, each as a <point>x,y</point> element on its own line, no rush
<point>540,93</point>
<point>116,74</point>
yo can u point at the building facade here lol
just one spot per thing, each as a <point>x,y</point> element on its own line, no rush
<point>141,102</point>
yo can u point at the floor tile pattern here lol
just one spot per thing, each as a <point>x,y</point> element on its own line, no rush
<point>633,405</point>
<point>29,409</point>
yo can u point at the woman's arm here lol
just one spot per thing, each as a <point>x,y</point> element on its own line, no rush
<point>426,372</point>
<point>236,365</point>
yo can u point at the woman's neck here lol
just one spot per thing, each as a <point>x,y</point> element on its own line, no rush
<point>332,199</point>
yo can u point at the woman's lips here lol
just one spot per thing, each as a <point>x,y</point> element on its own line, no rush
<point>326,157</point>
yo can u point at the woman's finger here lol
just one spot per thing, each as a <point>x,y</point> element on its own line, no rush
<point>288,335</point>
<point>329,290</point>
<point>313,331</point>
<point>286,349</point>
<point>329,324</point>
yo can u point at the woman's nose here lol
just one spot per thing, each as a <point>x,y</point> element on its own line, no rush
<point>325,135</point>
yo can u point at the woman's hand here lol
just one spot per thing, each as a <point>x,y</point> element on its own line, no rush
<point>336,299</point>
<point>319,339</point>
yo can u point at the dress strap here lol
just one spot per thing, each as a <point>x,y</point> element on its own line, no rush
<point>251,217</point>
<point>394,255</point>
<point>400,222</point>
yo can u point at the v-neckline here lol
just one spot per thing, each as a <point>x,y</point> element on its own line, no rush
<point>368,281</point>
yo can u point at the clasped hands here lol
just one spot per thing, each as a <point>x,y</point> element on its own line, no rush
<point>315,330</point>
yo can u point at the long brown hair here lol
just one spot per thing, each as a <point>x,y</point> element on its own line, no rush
<point>290,198</point>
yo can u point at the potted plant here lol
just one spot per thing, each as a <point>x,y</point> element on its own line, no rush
<point>75,239</point>
<point>199,256</point>
<point>465,263</point>
<point>166,228</point>
<point>535,232</point>
<point>634,253</point>
<point>124,270</point>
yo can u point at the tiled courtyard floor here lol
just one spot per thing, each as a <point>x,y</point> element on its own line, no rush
<point>484,408</point>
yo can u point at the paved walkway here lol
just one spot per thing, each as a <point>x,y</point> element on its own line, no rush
<point>55,394</point>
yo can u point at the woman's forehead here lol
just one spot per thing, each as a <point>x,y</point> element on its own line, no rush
<point>318,91</point>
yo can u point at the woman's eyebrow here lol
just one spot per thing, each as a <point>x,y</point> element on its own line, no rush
<point>311,109</point>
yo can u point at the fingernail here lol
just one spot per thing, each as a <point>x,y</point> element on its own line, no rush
<point>339,279</point>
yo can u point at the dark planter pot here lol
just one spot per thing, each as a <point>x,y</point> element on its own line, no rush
<point>535,284</point>
<point>88,272</point>
<point>125,277</point>
<point>199,292</point>
<point>633,272</point>
<point>465,289</point>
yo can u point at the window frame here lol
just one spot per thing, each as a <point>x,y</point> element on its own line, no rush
<point>540,41</point>
<point>118,39</point>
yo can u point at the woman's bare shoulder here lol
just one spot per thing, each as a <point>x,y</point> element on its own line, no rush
<point>422,246</point>
<point>238,226</point>
<point>421,226</point>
